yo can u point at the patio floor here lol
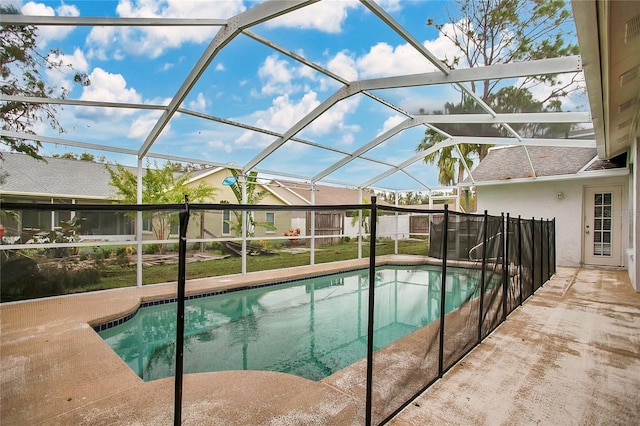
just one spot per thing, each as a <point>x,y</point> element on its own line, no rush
<point>569,355</point>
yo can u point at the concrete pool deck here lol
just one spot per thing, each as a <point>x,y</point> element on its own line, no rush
<point>569,355</point>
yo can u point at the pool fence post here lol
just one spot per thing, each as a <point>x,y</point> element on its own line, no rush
<point>443,290</point>
<point>520,255</point>
<point>182,261</point>
<point>505,265</point>
<point>482,273</point>
<point>370,326</point>
<point>548,249</point>
<point>553,242</point>
<point>542,277</point>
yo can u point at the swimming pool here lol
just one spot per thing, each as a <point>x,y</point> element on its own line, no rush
<point>311,327</point>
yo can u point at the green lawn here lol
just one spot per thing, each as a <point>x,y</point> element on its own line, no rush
<point>33,274</point>
<point>115,276</point>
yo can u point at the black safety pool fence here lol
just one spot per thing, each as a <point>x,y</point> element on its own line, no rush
<point>481,269</point>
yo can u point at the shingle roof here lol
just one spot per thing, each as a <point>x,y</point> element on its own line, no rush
<point>511,162</point>
<point>55,176</point>
<point>85,179</point>
<point>300,193</point>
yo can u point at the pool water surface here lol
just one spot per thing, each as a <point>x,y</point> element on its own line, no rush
<point>311,327</point>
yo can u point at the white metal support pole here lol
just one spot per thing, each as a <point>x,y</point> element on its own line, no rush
<point>360,224</point>
<point>139,225</point>
<point>634,218</point>
<point>429,215</point>
<point>312,227</point>
<point>397,224</point>
<point>53,217</point>
<point>244,225</point>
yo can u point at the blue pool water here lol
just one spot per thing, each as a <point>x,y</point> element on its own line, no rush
<point>310,328</point>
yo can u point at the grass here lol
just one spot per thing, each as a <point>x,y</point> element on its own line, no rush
<point>114,276</point>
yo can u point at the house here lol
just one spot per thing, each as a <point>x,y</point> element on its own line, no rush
<point>69,181</point>
<point>589,198</point>
<point>65,181</point>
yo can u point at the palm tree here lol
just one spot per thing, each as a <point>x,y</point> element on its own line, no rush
<point>253,197</point>
<point>444,158</point>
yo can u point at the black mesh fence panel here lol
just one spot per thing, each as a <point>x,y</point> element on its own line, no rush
<point>462,287</point>
<point>513,267</point>
<point>493,290</point>
<point>526,256</point>
<point>436,235</point>
<point>537,255</point>
<point>544,249</point>
<point>403,367</point>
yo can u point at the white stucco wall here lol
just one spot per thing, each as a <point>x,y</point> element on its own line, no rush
<point>540,200</point>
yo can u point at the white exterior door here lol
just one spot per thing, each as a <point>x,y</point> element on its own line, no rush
<point>603,225</point>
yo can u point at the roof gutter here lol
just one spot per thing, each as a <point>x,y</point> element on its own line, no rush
<point>50,195</point>
<point>594,174</point>
<point>591,26</point>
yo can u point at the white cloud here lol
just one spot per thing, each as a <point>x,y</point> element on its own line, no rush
<point>385,60</point>
<point>154,41</point>
<point>142,126</point>
<point>391,122</point>
<point>343,65</point>
<point>326,16</point>
<point>220,145</point>
<point>284,113</point>
<point>50,33</point>
<point>279,117</point>
<point>70,65</point>
<point>276,75</point>
<point>199,104</point>
<point>108,87</point>
<point>443,48</point>
<point>575,100</point>
<point>333,121</point>
<point>220,67</point>
<point>390,5</point>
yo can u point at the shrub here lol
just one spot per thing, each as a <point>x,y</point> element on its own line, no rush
<point>23,278</point>
<point>151,248</point>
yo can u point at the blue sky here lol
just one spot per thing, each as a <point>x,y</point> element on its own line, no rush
<point>249,83</point>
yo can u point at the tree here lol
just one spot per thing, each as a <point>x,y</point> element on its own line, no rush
<point>489,32</point>
<point>363,216</point>
<point>85,156</point>
<point>22,65</point>
<point>253,197</point>
<point>159,186</point>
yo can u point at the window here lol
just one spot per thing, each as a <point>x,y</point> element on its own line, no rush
<point>270,218</point>
<point>226,216</point>
<point>602,227</point>
<point>104,223</point>
<point>61,217</point>
<point>175,227</point>
<point>146,224</point>
<point>36,219</point>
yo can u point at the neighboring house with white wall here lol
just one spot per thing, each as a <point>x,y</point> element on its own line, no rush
<point>589,198</point>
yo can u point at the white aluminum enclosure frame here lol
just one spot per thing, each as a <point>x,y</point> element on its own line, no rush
<point>241,24</point>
